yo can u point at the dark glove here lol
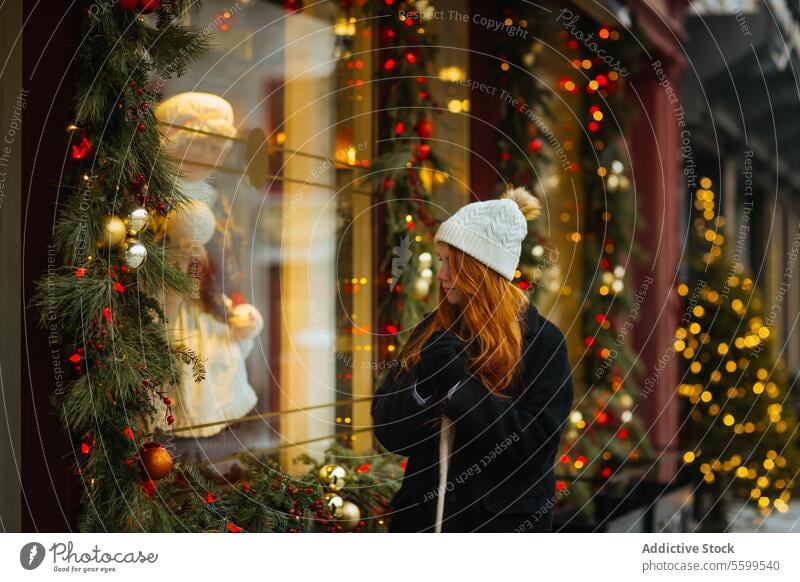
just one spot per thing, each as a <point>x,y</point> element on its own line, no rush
<point>441,365</point>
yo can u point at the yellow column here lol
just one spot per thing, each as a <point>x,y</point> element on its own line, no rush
<point>308,248</point>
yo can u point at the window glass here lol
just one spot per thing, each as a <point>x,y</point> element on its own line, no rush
<point>271,136</point>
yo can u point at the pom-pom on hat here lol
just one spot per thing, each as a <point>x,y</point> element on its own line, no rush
<point>492,231</point>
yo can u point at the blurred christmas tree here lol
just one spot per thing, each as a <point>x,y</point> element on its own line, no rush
<point>606,444</point>
<point>739,434</point>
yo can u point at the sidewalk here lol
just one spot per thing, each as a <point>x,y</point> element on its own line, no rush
<point>746,519</point>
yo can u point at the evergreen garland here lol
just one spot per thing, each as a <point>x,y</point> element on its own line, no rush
<point>523,147</point>
<point>405,128</point>
<point>105,312</point>
<point>605,435</point>
<point>373,477</point>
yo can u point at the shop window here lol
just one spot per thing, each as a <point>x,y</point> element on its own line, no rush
<point>272,132</point>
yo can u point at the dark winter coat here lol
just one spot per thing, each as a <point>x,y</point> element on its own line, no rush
<point>500,476</point>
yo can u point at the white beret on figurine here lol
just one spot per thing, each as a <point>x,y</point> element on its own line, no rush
<point>189,118</point>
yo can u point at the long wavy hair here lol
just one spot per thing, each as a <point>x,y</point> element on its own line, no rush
<point>489,323</point>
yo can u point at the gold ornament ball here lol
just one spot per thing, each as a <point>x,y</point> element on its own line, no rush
<point>137,221</point>
<point>114,232</point>
<point>156,460</point>
<point>333,504</point>
<point>135,254</point>
<point>334,476</point>
<point>350,517</point>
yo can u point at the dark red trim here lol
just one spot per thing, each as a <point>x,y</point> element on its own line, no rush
<point>485,112</point>
<point>50,497</point>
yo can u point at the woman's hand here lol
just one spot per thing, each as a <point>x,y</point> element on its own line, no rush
<point>442,364</point>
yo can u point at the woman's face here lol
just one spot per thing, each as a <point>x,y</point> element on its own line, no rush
<point>453,295</point>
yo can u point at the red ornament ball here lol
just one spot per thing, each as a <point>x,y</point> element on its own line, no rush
<point>148,6</point>
<point>424,151</point>
<point>424,128</point>
<point>293,5</point>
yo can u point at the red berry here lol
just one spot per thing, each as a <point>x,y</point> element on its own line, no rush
<point>145,105</point>
<point>141,127</point>
<point>149,488</point>
<point>170,419</point>
<point>167,401</point>
<point>139,91</point>
<point>290,490</point>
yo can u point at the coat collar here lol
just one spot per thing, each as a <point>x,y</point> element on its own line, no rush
<point>530,321</point>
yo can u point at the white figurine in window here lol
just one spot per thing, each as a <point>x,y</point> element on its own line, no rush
<point>208,322</point>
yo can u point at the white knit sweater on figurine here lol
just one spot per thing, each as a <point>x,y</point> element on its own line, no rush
<point>447,434</point>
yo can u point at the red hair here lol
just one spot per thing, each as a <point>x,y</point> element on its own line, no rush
<point>488,322</point>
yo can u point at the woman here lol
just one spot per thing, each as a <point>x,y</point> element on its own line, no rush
<point>483,389</point>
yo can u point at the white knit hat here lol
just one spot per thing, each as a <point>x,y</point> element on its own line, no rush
<point>492,231</point>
